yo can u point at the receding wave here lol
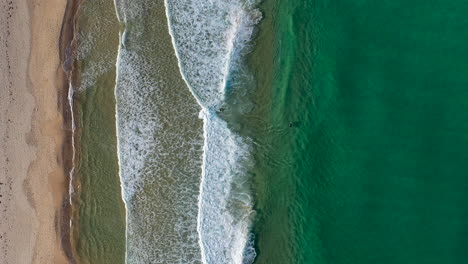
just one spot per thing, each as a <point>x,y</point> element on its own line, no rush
<point>160,140</point>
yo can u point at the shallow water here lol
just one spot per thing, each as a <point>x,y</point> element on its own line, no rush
<point>98,215</point>
<point>160,140</point>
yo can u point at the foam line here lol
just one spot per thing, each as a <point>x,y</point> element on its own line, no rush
<point>118,144</point>
<point>72,170</point>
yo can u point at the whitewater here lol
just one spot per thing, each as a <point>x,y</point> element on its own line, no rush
<point>212,222</point>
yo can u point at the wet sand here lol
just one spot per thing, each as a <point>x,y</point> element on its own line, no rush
<point>33,180</point>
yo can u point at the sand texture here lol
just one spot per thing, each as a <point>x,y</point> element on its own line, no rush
<point>32,178</point>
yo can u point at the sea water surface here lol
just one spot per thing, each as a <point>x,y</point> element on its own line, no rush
<point>362,132</point>
<point>210,39</point>
<point>98,220</point>
<point>160,140</point>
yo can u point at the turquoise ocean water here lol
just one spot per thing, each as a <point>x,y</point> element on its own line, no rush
<point>374,168</point>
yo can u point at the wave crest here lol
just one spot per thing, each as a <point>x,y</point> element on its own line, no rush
<point>209,38</point>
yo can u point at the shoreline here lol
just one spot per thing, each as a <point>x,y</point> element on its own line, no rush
<point>67,47</point>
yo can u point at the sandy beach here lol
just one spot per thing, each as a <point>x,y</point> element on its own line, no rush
<point>33,181</point>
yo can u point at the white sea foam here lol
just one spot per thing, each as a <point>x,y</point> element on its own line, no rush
<point>89,43</point>
<point>225,203</point>
<point>209,37</point>
<point>159,152</point>
<point>117,63</point>
<point>158,191</point>
<point>71,173</point>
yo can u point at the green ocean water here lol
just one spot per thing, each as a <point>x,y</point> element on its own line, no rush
<point>361,132</point>
<point>98,209</point>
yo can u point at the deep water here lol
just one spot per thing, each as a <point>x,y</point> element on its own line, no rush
<point>361,132</point>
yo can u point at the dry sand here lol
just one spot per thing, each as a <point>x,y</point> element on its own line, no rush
<point>32,179</point>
